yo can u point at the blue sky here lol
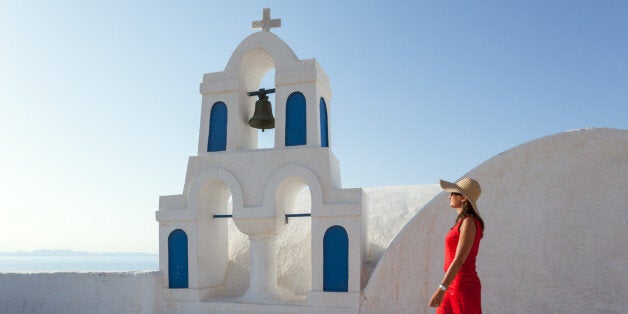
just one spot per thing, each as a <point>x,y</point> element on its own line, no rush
<point>99,102</point>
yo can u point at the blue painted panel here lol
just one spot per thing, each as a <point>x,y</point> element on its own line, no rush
<point>336,260</point>
<point>324,136</point>
<point>296,126</point>
<point>217,140</point>
<point>178,259</point>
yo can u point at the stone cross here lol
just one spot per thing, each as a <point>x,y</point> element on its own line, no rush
<point>266,23</point>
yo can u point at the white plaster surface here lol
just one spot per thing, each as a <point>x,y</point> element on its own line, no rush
<point>555,238</point>
<point>262,184</point>
<point>104,292</point>
<point>555,242</point>
<point>140,292</point>
<point>390,209</point>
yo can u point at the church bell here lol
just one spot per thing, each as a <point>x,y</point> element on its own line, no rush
<point>263,115</point>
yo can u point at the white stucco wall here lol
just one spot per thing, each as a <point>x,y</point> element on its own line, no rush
<point>103,292</point>
<point>555,242</point>
<point>390,208</point>
<point>555,238</point>
<point>140,292</point>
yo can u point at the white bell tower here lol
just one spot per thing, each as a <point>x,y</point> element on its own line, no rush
<point>263,184</point>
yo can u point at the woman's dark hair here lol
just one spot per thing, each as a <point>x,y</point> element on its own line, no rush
<point>469,211</point>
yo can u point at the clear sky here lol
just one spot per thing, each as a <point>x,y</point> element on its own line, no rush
<point>100,109</point>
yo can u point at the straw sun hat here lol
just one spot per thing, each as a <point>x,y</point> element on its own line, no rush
<point>467,187</point>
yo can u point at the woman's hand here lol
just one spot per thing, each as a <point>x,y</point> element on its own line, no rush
<point>437,298</point>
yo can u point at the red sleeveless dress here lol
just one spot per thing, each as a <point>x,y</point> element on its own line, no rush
<point>463,296</point>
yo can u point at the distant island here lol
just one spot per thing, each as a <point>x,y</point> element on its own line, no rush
<point>71,253</point>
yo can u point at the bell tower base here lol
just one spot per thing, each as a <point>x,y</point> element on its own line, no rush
<point>232,306</point>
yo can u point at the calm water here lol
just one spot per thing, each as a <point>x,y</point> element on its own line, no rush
<point>23,264</point>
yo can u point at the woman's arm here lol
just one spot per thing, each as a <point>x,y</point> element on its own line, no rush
<point>465,243</point>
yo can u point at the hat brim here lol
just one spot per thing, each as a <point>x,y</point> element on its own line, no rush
<point>452,187</point>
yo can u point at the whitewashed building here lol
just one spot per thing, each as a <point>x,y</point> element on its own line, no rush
<point>232,178</point>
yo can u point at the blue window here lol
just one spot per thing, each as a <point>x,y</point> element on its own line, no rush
<point>178,259</point>
<point>324,129</point>
<point>217,140</point>
<point>296,133</point>
<point>336,260</point>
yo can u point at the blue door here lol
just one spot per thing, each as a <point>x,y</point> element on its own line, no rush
<point>296,133</point>
<point>336,260</point>
<point>324,136</point>
<point>178,259</point>
<point>217,140</point>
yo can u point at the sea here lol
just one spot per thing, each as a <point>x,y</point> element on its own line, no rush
<point>38,264</point>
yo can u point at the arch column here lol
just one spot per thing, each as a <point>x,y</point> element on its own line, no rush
<point>262,232</point>
<point>263,274</point>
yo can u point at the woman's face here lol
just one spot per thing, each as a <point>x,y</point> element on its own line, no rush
<point>456,200</point>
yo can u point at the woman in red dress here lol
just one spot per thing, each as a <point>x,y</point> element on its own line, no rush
<point>460,289</point>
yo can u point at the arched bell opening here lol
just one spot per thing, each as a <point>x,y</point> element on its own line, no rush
<point>294,269</point>
<point>213,199</point>
<point>239,258</point>
<point>213,233</point>
<point>266,138</point>
<point>257,70</point>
